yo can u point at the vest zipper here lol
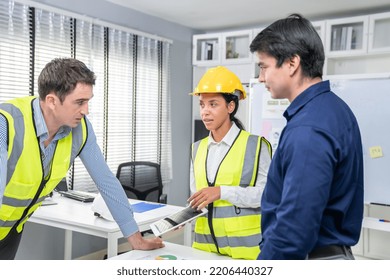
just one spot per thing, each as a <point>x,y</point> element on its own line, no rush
<point>210,207</point>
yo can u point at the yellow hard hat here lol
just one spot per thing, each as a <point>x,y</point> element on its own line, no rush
<point>220,80</point>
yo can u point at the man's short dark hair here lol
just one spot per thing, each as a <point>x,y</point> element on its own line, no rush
<point>61,75</point>
<point>291,36</point>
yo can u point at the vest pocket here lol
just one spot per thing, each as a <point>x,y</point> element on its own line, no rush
<point>243,226</point>
<point>20,190</point>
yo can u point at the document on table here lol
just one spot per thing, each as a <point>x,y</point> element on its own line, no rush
<point>48,201</point>
<point>145,206</point>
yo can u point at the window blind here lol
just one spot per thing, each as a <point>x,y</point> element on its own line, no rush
<point>15,51</point>
<point>120,126</point>
<point>130,107</point>
<point>90,48</point>
<point>52,38</point>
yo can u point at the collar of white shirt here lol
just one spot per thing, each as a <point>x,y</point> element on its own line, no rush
<point>229,137</point>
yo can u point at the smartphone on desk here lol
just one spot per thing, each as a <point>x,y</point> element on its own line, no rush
<point>176,220</point>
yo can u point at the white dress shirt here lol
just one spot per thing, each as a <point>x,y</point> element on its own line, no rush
<point>242,197</point>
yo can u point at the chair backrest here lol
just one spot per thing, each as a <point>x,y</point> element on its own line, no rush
<point>141,180</point>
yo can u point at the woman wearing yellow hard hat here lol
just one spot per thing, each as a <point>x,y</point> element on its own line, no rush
<point>228,171</point>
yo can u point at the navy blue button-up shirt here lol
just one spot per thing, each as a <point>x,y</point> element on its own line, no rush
<point>314,191</point>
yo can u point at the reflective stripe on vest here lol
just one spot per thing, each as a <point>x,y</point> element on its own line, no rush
<point>25,188</point>
<point>237,230</point>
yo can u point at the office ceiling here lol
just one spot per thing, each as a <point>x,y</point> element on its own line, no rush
<point>227,14</point>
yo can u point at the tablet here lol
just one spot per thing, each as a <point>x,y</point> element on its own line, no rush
<point>176,220</point>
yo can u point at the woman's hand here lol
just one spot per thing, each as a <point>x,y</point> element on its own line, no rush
<point>202,198</point>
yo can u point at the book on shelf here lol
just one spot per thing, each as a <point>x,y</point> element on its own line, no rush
<point>202,50</point>
<point>215,50</point>
<point>206,50</point>
<point>209,49</point>
<point>336,39</point>
<point>349,38</point>
<point>343,38</point>
<point>354,39</point>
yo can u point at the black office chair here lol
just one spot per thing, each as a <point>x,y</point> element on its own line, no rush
<point>142,180</point>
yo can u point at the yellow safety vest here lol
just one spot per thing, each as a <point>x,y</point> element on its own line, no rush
<point>234,231</point>
<point>25,186</point>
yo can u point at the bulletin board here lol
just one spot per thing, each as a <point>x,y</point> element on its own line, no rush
<point>369,99</point>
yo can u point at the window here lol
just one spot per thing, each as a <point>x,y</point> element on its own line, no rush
<point>130,108</point>
<point>15,67</point>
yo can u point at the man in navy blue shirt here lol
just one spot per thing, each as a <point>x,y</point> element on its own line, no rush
<point>312,205</point>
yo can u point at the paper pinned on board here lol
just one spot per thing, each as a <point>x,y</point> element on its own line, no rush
<point>376,152</point>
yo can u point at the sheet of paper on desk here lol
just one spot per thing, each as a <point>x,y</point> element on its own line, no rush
<point>144,206</point>
<point>48,201</point>
<point>161,257</point>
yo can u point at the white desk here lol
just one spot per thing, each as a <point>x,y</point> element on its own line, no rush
<point>374,223</point>
<point>181,252</point>
<point>72,215</point>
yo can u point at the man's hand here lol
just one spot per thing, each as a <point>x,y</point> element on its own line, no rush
<point>139,243</point>
<point>205,196</point>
